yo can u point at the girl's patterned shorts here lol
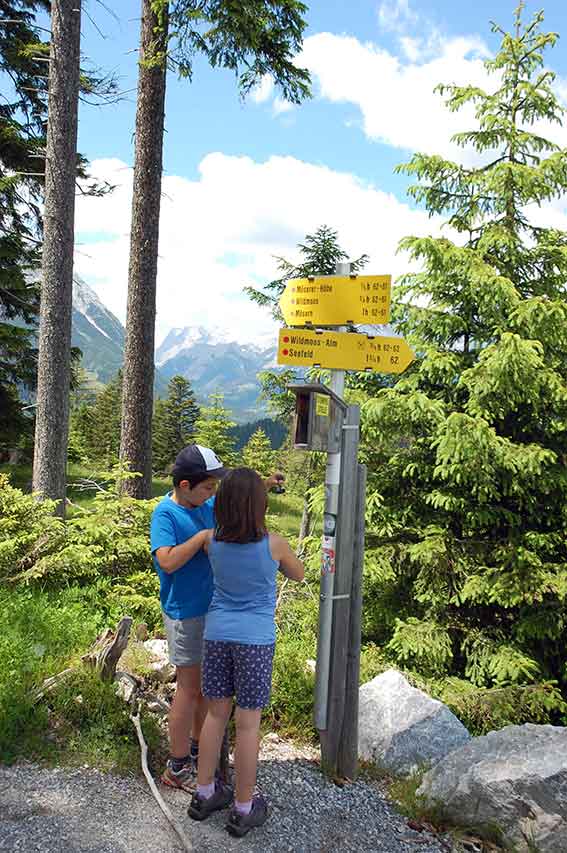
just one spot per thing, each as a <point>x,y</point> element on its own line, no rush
<point>238,669</point>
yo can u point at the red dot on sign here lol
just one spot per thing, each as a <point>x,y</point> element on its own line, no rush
<point>286,340</point>
<point>286,352</point>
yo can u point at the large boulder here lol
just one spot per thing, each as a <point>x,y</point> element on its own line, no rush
<point>401,728</point>
<point>514,780</point>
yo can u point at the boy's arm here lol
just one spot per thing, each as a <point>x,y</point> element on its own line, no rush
<point>172,557</point>
<point>290,564</point>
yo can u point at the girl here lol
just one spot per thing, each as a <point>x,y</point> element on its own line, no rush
<point>239,644</point>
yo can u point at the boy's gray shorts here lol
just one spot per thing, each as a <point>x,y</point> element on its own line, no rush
<point>184,640</point>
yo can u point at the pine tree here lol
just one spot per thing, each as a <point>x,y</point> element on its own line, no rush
<point>174,422</point>
<point>253,38</point>
<point>319,255</point>
<point>258,454</point>
<point>212,429</point>
<point>137,403</point>
<point>23,119</point>
<point>54,353</point>
<point>22,137</point>
<point>468,450</point>
<point>101,424</point>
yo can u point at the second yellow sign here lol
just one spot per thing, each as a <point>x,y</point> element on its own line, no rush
<point>343,351</point>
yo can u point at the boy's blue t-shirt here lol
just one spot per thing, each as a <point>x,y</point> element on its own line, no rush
<point>186,592</point>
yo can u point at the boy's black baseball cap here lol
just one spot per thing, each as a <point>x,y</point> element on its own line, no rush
<point>195,459</point>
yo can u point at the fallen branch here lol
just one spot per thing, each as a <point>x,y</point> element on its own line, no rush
<point>51,683</point>
<point>108,650</point>
<point>154,789</point>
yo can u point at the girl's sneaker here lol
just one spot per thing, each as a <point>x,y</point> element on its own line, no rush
<point>239,824</point>
<point>202,807</point>
<point>186,778</point>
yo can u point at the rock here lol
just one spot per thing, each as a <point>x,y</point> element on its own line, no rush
<point>162,671</point>
<point>514,779</point>
<point>401,728</point>
<point>271,737</point>
<point>158,648</point>
<point>160,668</point>
<point>125,686</point>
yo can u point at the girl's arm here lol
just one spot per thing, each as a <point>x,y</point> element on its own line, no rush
<point>290,564</point>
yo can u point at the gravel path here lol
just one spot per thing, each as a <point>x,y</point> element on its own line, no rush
<point>63,811</point>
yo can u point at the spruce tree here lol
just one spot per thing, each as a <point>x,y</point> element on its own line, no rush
<point>102,428</point>
<point>468,450</point>
<point>258,454</point>
<point>174,422</point>
<point>213,429</point>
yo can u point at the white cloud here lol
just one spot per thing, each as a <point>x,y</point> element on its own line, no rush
<point>263,91</point>
<point>223,230</point>
<point>396,15</point>
<point>395,94</point>
<point>396,97</point>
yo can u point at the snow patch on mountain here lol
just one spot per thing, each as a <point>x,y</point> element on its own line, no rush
<point>179,340</point>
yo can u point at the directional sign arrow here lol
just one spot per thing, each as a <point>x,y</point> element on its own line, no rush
<point>343,351</point>
<point>334,300</point>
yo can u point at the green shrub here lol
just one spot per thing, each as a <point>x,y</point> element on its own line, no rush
<point>38,635</point>
<point>482,711</point>
<point>109,538</point>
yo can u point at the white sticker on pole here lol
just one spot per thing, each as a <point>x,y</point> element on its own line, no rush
<point>328,556</point>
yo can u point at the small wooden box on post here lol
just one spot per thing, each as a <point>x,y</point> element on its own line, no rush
<point>319,417</point>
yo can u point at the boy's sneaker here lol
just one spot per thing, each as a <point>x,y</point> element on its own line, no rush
<point>202,807</point>
<point>186,778</point>
<point>239,824</point>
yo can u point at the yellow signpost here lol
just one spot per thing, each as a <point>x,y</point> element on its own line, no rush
<point>343,351</point>
<point>334,300</point>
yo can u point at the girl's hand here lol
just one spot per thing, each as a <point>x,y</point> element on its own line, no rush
<point>275,481</point>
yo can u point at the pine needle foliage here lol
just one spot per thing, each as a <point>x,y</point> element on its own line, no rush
<point>258,454</point>
<point>467,575</point>
<point>213,429</point>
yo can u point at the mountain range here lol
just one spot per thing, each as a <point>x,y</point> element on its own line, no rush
<point>209,358</point>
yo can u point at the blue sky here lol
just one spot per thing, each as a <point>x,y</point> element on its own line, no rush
<point>245,181</point>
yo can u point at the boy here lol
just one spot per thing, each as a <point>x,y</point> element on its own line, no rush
<point>179,528</point>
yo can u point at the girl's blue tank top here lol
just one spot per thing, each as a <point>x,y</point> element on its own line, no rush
<point>244,598</point>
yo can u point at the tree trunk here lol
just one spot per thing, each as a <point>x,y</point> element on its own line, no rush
<point>54,368</point>
<point>138,374</point>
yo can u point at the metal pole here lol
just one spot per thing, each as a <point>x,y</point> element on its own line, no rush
<point>331,739</point>
<point>332,481</point>
<point>348,746</point>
